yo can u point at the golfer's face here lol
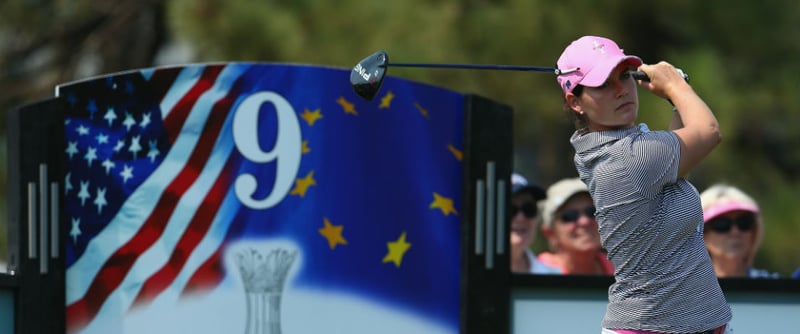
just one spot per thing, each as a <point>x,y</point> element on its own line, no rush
<point>614,104</point>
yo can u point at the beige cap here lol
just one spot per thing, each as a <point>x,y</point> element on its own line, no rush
<point>557,195</point>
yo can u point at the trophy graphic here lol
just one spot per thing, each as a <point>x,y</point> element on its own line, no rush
<point>263,276</point>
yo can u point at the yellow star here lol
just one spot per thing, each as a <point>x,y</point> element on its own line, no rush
<point>311,116</point>
<point>305,149</point>
<point>456,152</point>
<point>301,185</point>
<point>422,110</point>
<point>396,250</point>
<point>386,100</point>
<point>333,233</point>
<point>443,203</point>
<point>348,107</point>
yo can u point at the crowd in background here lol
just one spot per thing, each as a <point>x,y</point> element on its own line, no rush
<point>733,230</point>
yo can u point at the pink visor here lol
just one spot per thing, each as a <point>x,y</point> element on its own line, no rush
<point>723,208</point>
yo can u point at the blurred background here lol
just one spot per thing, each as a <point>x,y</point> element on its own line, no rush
<point>743,57</point>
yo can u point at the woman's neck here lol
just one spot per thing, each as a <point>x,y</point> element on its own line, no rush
<point>601,128</point>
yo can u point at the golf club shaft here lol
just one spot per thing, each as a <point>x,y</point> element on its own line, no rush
<point>636,75</point>
<point>477,67</point>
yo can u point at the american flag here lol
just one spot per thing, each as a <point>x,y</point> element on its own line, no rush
<point>368,191</point>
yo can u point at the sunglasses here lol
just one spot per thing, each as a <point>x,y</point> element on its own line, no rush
<point>571,216</point>
<point>724,224</point>
<point>529,210</point>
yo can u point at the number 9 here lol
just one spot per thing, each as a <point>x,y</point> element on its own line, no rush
<point>286,152</point>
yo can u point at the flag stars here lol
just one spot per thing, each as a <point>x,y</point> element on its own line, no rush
<point>311,117</point>
<point>75,232</point>
<point>129,121</point>
<point>83,194</point>
<point>110,116</point>
<point>145,120</point>
<point>126,173</point>
<point>304,147</point>
<point>135,146</point>
<point>67,183</point>
<point>333,233</point>
<point>82,130</point>
<point>348,107</point>
<point>108,165</point>
<point>91,108</point>
<point>72,149</point>
<point>456,152</point>
<point>100,201</point>
<point>101,138</point>
<point>397,249</point>
<point>153,152</point>
<point>386,100</point>
<point>301,185</point>
<point>90,156</point>
<point>422,111</point>
<point>120,144</point>
<point>443,203</point>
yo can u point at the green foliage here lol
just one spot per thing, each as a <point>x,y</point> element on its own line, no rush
<point>742,58</point>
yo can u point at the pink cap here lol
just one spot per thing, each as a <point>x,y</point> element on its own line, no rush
<point>722,208</point>
<point>592,58</point>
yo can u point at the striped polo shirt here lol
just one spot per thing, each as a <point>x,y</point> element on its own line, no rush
<point>651,224</point>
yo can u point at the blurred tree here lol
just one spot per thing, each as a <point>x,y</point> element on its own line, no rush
<point>741,59</point>
<point>45,43</point>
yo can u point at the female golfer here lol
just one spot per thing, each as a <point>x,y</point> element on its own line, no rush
<point>649,216</point>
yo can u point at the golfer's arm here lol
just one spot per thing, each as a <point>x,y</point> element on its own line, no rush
<point>675,122</point>
<point>700,131</point>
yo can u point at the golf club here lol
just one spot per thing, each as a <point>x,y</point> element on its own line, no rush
<point>367,76</point>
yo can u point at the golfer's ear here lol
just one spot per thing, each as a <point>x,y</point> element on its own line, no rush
<point>573,102</point>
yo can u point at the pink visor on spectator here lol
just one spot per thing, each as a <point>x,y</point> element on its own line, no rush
<point>723,208</point>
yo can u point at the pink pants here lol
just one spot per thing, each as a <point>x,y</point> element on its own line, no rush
<point>724,329</point>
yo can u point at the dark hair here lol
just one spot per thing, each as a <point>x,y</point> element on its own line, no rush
<point>578,90</point>
<point>577,119</point>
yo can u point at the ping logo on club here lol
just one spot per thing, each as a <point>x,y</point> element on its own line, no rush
<point>362,72</point>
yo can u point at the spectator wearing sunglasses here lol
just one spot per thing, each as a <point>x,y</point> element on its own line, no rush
<point>732,231</point>
<point>524,222</point>
<point>571,231</point>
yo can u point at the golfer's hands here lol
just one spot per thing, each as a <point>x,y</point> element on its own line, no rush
<point>665,80</point>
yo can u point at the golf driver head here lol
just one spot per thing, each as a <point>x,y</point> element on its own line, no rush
<point>367,76</point>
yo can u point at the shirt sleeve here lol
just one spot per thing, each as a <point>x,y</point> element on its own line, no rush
<point>653,161</point>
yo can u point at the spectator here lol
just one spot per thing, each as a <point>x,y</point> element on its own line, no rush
<point>524,222</point>
<point>732,231</point>
<point>571,231</point>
